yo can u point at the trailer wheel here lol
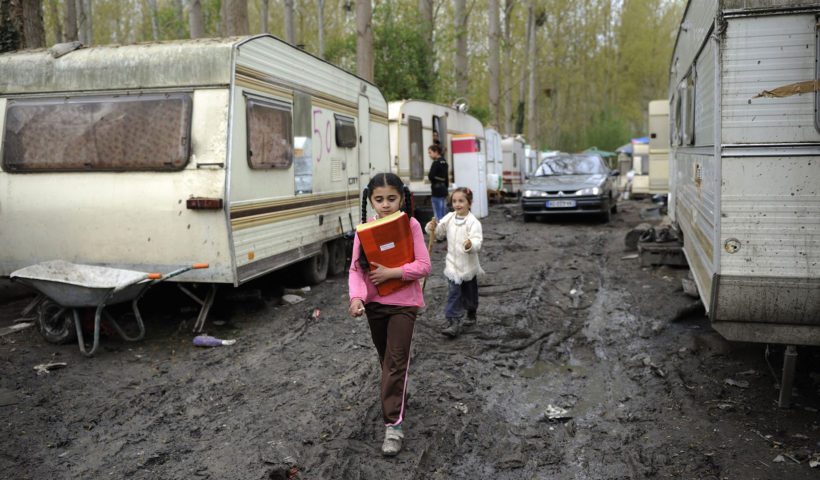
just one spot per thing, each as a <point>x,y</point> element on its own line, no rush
<point>56,323</point>
<point>314,269</point>
<point>338,257</point>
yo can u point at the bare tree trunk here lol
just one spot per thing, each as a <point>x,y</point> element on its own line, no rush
<point>34,32</point>
<point>508,113</point>
<point>58,26</point>
<point>195,20</point>
<point>426,19</point>
<point>364,39</point>
<point>290,31</point>
<point>82,18</point>
<point>88,24</point>
<point>263,7</point>
<point>522,86</point>
<point>236,18</point>
<point>70,22</point>
<point>532,122</point>
<point>460,61</point>
<point>321,20</point>
<point>494,66</point>
<point>152,4</point>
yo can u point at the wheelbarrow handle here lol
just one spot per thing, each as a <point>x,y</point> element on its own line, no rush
<point>201,265</point>
<point>154,276</point>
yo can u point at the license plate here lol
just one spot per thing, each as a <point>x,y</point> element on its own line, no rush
<point>560,203</point>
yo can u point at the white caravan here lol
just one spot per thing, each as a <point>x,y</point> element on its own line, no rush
<point>495,159</point>
<point>514,164</point>
<point>245,153</point>
<point>745,165</point>
<point>659,147</point>
<point>412,125</point>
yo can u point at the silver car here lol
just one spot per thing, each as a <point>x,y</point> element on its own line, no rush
<point>569,184</point>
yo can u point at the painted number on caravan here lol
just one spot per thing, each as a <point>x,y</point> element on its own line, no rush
<point>324,141</point>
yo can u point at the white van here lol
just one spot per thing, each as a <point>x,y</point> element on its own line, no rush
<point>745,165</point>
<point>245,153</point>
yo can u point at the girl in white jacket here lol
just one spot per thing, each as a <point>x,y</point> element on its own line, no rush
<point>464,237</point>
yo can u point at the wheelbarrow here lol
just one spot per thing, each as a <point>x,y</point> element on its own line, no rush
<point>69,286</point>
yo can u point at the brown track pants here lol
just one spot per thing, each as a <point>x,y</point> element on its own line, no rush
<point>391,328</point>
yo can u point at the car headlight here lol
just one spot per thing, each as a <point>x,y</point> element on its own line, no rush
<point>589,191</point>
<point>534,193</point>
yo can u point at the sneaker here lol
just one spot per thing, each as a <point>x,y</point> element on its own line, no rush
<point>452,327</point>
<point>470,320</point>
<point>393,437</point>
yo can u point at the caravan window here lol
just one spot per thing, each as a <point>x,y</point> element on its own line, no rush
<point>345,131</point>
<point>302,139</point>
<point>689,111</point>
<point>677,127</point>
<point>270,141</point>
<point>99,133</point>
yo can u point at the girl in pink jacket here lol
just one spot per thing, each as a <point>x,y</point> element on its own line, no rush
<point>391,317</point>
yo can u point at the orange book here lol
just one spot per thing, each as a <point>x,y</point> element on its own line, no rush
<point>388,242</point>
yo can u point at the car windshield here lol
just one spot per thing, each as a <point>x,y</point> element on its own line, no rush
<point>571,165</point>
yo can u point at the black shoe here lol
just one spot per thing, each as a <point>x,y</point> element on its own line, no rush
<point>470,320</point>
<point>452,328</point>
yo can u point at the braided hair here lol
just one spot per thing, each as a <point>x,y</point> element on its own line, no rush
<point>381,180</point>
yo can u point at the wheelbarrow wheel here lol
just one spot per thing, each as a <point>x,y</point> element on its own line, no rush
<point>56,323</point>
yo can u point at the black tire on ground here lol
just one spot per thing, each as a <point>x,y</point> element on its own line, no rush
<point>338,257</point>
<point>606,215</point>
<point>314,270</point>
<point>528,217</point>
<point>56,323</point>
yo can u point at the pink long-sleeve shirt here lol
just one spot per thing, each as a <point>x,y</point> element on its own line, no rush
<point>361,287</point>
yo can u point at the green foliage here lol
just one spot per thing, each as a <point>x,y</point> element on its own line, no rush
<point>342,52</point>
<point>170,23</point>
<point>607,131</point>
<point>481,112</point>
<point>211,17</point>
<point>401,55</point>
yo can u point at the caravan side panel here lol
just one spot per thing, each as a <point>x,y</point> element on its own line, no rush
<point>763,53</point>
<point>770,199</point>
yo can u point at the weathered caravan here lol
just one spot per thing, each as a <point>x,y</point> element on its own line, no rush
<point>246,153</point>
<point>514,164</point>
<point>659,147</point>
<point>413,124</point>
<point>745,164</point>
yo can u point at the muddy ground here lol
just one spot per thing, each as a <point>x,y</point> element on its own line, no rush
<point>567,318</point>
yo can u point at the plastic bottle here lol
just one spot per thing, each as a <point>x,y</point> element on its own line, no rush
<point>209,341</point>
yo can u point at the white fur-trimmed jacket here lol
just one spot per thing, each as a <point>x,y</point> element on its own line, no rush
<point>460,264</point>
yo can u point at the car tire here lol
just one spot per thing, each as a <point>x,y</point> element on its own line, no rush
<point>606,215</point>
<point>528,217</point>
